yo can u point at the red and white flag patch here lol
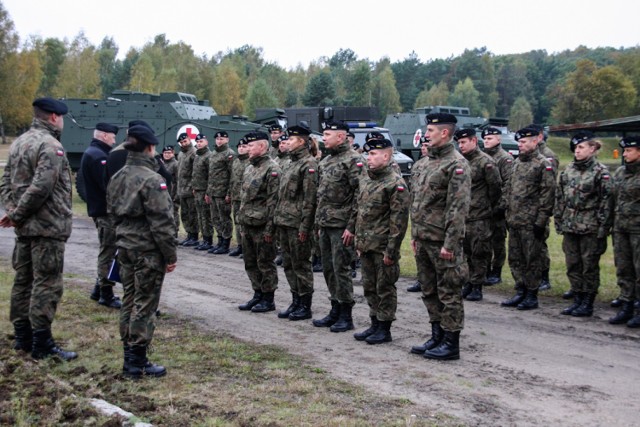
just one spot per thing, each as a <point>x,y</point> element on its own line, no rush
<point>103,162</point>
<point>605,177</point>
<point>274,174</point>
<point>400,188</point>
<point>549,168</point>
<point>163,186</point>
<point>459,171</point>
<point>312,170</point>
<point>359,164</point>
<point>59,153</point>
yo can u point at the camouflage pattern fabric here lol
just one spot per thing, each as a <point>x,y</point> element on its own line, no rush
<point>189,215</point>
<point>626,250</point>
<point>582,254</point>
<point>296,260</point>
<point>107,239</point>
<point>238,166</point>
<point>205,224</point>
<point>477,249</point>
<point>552,158</point>
<point>185,171</point>
<point>172,168</point>
<point>336,260</point>
<point>525,259</point>
<point>379,286</point>
<point>220,168</point>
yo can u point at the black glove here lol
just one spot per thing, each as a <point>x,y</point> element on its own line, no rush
<point>538,232</point>
<point>499,214</point>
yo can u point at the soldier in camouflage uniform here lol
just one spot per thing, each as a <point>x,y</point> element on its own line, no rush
<point>440,206</point>
<point>199,182</point>
<point>416,172</point>
<point>275,132</point>
<point>188,212</point>
<point>529,202</point>
<point>583,216</point>
<point>36,194</point>
<point>257,207</point>
<point>336,217</point>
<point>235,191</point>
<point>491,137</point>
<point>383,216</point>
<point>294,218</point>
<point>139,200</point>
<point>220,163</point>
<point>626,231</point>
<point>170,162</point>
<point>282,159</point>
<point>486,190</point>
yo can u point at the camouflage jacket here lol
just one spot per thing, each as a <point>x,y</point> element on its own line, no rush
<point>172,168</point>
<point>220,162</point>
<point>141,206</point>
<point>626,195</point>
<point>531,191</point>
<point>505,165</point>
<point>36,184</point>
<point>416,173</point>
<point>297,199</point>
<point>486,185</point>
<point>442,197</point>
<point>200,175</point>
<point>282,159</point>
<point>583,198</point>
<point>551,158</point>
<point>383,212</point>
<point>238,166</point>
<point>260,193</point>
<point>338,188</point>
<point>185,171</point>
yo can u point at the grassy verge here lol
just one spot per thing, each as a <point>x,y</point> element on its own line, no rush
<point>213,379</point>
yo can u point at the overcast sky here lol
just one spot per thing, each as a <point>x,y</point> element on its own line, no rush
<point>292,32</point>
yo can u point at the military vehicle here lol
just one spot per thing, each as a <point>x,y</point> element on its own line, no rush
<point>169,114</point>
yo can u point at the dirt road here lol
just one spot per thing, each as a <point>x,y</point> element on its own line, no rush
<point>516,368</point>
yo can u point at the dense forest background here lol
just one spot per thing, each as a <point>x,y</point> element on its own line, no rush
<point>565,87</point>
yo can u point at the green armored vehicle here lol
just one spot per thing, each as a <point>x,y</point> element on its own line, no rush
<point>169,114</point>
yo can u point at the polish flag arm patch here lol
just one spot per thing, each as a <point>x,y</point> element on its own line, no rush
<point>400,188</point>
<point>274,174</point>
<point>549,168</point>
<point>59,153</point>
<point>163,186</point>
<point>311,170</point>
<point>103,162</point>
<point>459,171</point>
<point>359,164</point>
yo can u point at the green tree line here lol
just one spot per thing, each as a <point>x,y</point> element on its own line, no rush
<point>570,86</point>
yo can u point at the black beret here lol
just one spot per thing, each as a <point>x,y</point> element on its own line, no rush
<point>133,123</point>
<point>526,132</point>
<point>51,105</point>
<point>464,133</point>
<point>282,138</point>
<point>630,141</point>
<point>200,136</point>
<point>256,136</point>
<point>335,126</point>
<point>580,137</point>
<point>243,141</point>
<point>221,134</point>
<point>182,136</point>
<point>491,131</point>
<point>356,145</point>
<point>377,144</point>
<point>275,127</point>
<point>424,140</point>
<point>441,119</point>
<point>143,134</point>
<point>167,148</point>
<point>106,127</point>
<point>373,136</point>
<point>299,131</point>
<point>351,134</point>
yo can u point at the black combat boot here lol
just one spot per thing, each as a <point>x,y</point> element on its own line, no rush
<point>108,299</point>
<point>569,294</point>
<point>317,264</point>
<point>223,248</point>
<point>494,277</point>
<point>361,336</point>
<point>126,353</point>
<point>95,294</point>
<point>139,365</point>
<point>278,260</point>
<point>215,247</point>
<point>578,298</point>
<point>476,293</point>
<point>266,303</point>
<point>295,302</point>
<point>624,315</point>
<point>448,349</point>
<point>437,334</point>
<point>186,239</point>
<point>545,284</point>
<point>304,308</point>
<point>23,335</point>
<point>416,287</point>
<point>617,302</point>
<point>530,301</point>
<point>635,320</point>
<point>466,290</point>
<point>192,240</point>
<point>354,273</point>
<point>236,251</point>
<point>206,244</point>
<point>255,299</point>
<point>45,346</point>
<point>382,334</point>
<point>521,292</point>
<point>345,321</point>
<point>330,318</point>
<point>586,307</point>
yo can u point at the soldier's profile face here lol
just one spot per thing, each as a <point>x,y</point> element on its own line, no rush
<point>283,147</point>
<point>424,149</point>
<point>584,151</point>
<point>377,159</point>
<point>257,148</point>
<point>275,134</point>
<point>467,145</point>
<point>58,121</point>
<point>185,142</point>
<point>631,154</point>
<point>221,140</point>
<point>527,144</point>
<point>201,143</point>
<point>242,149</point>
<point>333,138</point>
<point>491,141</point>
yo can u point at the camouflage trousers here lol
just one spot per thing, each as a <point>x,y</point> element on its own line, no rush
<point>315,247</point>
<point>176,214</point>
<point>477,249</point>
<point>221,217</point>
<point>259,259</point>
<point>142,274</point>
<point>442,283</point>
<point>546,259</point>
<point>498,245</point>
<point>107,239</point>
<point>189,215</point>
<point>582,255</point>
<point>379,285</point>
<point>204,215</point>
<point>296,260</point>
<point>525,257</point>
<point>336,260</point>
<point>626,251</point>
<point>37,287</point>
<point>238,227</point>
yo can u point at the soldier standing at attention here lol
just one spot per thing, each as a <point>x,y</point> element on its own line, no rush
<point>491,137</point>
<point>583,216</point>
<point>294,218</point>
<point>93,174</point>
<point>530,198</point>
<point>188,211</point>
<point>199,182</point>
<point>171,164</point>
<point>416,172</point>
<point>138,199</point>
<point>282,160</point>
<point>36,194</point>
<point>486,190</point>
<point>257,207</point>
<point>383,215</point>
<point>626,231</point>
<point>275,131</point>
<point>235,190</point>
<point>440,206</point>
<point>220,163</point>
<point>336,217</point>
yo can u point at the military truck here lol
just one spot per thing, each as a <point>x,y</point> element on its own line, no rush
<point>169,114</point>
